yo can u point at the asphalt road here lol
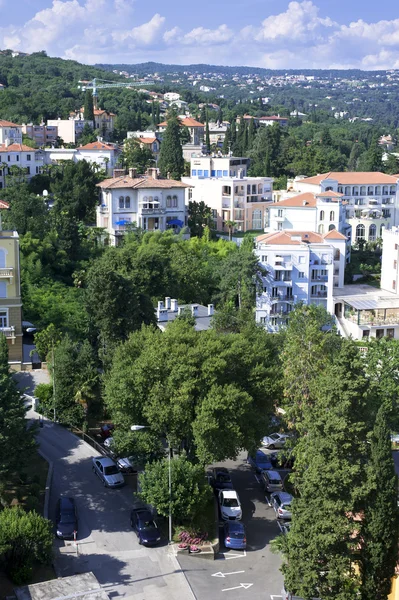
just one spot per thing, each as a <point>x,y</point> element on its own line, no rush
<point>238,575</point>
<point>106,544</point>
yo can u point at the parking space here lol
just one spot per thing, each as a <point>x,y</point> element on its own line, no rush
<point>253,573</point>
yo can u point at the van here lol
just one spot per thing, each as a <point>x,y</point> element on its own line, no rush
<point>271,481</point>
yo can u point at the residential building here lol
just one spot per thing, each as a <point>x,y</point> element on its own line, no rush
<point>19,155</point>
<point>104,122</point>
<point>42,135</point>
<point>69,130</point>
<point>10,295</point>
<point>222,183</point>
<point>299,266</point>
<point>195,128</point>
<point>372,199</point>
<point>148,139</point>
<point>273,119</point>
<point>10,133</point>
<point>149,202</point>
<point>169,309</point>
<point>217,132</point>
<point>103,154</point>
<point>390,260</point>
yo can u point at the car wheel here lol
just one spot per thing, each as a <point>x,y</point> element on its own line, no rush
<point>93,469</point>
<point>104,483</point>
<point>140,542</point>
<point>272,447</point>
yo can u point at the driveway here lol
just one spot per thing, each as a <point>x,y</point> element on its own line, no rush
<point>106,544</point>
<point>237,575</point>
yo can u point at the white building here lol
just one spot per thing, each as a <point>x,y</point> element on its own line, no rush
<point>21,156</point>
<point>151,203</point>
<point>390,260</point>
<point>372,199</point>
<point>10,133</point>
<point>301,266</point>
<point>69,130</point>
<point>103,154</point>
<point>222,183</point>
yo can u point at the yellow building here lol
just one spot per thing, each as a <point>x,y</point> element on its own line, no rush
<point>10,296</point>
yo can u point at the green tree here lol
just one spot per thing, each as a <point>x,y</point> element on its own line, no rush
<point>134,155</point>
<point>226,143</point>
<point>75,192</point>
<point>171,162</point>
<point>190,492</point>
<point>240,279</point>
<point>207,137</point>
<point>89,107</point>
<point>46,339</point>
<point>199,217</point>
<point>25,538</point>
<point>380,527</point>
<point>87,136</point>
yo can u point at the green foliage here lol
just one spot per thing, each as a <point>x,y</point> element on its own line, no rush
<point>171,155</point>
<point>88,106</point>
<point>199,217</point>
<point>136,156</point>
<point>190,492</point>
<point>239,279</point>
<point>46,339</point>
<point>25,538</point>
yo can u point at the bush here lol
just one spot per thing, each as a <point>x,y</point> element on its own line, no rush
<point>32,503</point>
<point>20,575</point>
<point>35,489</point>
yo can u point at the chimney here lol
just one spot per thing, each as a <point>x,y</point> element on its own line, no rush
<point>132,173</point>
<point>6,142</point>
<point>174,305</point>
<point>162,314</point>
<point>167,302</point>
<point>180,310</point>
<point>211,309</point>
<point>194,310</point>
<point>118,173</point>
<point>240,173</point>
<point>160,305</point>
<point>153,172</point>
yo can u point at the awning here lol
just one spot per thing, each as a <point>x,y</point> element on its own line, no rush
<point>122,222</point>
<point>175,222</point>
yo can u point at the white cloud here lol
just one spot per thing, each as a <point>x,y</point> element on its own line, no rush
<point>298,37</point>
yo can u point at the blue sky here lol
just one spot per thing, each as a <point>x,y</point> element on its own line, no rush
<point>266,33</point>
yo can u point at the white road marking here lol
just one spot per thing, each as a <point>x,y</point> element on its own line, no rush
<point>231,556</point>
<point>257,478</point>
<point>220,574</point>
<point>244,586</point>
<point>273,597</point>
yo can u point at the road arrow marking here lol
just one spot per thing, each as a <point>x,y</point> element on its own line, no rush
<point>220,574</point>
<point>244,586</point>
<point>230,556</point>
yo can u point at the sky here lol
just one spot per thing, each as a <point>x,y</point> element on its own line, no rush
<point>275,34</point>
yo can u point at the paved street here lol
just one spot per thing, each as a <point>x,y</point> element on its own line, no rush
<point>253,574</point>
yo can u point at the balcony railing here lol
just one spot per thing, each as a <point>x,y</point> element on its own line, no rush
<point>319,277</point>
<point>9,332</point>
<point>318,294</point>
<point>6,273</point>
<point>153,211</point>
<point>283,298</point>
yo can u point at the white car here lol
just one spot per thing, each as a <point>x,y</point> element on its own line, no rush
<point>275,440</point>
<point>230,506</point>
<point>128,464</point>
<point>108,472</point>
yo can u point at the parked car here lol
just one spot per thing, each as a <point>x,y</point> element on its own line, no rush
<point>281,503</point>
<point>282,460</point>
<point>66,518</point>
<point>107,470</point>
<point>229,504</point>
<point>260,461</point>
<point>220,479</point>
<point>285,526</point>
<point>234,535</point>
<point>275,440</point>
<point>145,527</point>
<point>106,430</point>
<point>109,442</point>
<point>28,328</point>
<point>128,464</point>
<point>271,481</point>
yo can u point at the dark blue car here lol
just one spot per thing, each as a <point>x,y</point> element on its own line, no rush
<point>145,527</point>
<point>234,535</point>
<point>260,461</point>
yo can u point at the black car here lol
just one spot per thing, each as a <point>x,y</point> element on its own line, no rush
<point>66,518</point>
<point>145,527</point>
<point>220,479</point>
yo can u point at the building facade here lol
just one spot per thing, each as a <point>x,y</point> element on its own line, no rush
<point>42,135</point>
<point>28,161</point>
<point>372,199</point>
<point>10,296</point>
<point>298,266</point>
<point>10,133</point>
<point>222,183</point>
<point>148,202</point>
<point>69,130</point>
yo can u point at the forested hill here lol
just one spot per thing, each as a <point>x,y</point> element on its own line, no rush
<point>39,86</point>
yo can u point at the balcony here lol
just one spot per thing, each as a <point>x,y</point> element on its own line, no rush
<point>9,332</point>
<point>319,277</point>
<point>282,298</point>
<point>154,211</point>
<point>6,273</point>
<point>226,204</point>
<point>318,295</point>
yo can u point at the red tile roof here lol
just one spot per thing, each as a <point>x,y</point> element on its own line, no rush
<point>352,178</point>
<point>285,237</point>
<point>140,183</point>
<point>147,140</point>
<point>334,234</point>
<point>273,118</point>
<point>16,148</point>
<point>305,200</point>
<point>4,204</point>
<point>187,121</point>
<point>97,146</point>
<point>8,124</point>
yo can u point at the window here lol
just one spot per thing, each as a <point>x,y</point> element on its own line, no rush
<point>301,275</point>
<point>17,157</point>
<point>264,258</point>
<point>9,158</point>
<point>262,320</point>
<point>394,284</point>
<point>379,334</point>
<point>360,232</point>
<point>127,202</point>
<point>194,172</point>
<point>279,226</point>
<point>3,289</point>
<point>396,246</point>
<point>190,193</point>
<point>174,201</point>
<point>3,318</point>
<point>390,333</point>
<point>28,157</point>
<point>275,292</point>
<point>347,190</point>
<point>206,173</point>
<point>321,228</point>
<point>331,227</point>
<point>372,233</point>
<point>121,202</point>
<point>322,215</point>
<point>200,172</point>
<point>213,173</point>
<point>225,173</point>
<point>27,170</point>
<point>219,173</point>
<point>329,189</point>
<point>332,216</point>
<point>280,212</point>
<point>301,260</point>
<point>168,201</point>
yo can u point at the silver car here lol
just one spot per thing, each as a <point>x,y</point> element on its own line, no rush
<point>281,503</point>
<point>275,440</point>
<point>271,481</point>
<point>107,470</point>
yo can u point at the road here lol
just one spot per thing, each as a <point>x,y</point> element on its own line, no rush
<point>106,544</point>
<point>253,574</point>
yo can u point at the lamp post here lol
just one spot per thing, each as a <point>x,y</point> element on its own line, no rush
<point>138,428</point>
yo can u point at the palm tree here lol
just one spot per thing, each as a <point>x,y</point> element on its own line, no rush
<point>230,225</point>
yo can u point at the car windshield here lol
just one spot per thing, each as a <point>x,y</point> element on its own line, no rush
<point>112,470</point>
<point>262,458</point>
<point>230,502</point>
<point>67,517</point>
<point>148,525</point>
<point>223,477</point>
<point>274,436</point>
<point>275,481</point>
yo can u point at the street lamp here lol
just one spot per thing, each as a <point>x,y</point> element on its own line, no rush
<point>138,428</point>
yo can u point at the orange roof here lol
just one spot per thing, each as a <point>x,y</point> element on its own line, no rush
<point>334,234</point>
<point>16,148</point>
<point>187,121</point>
<point>8,124</point>
<point>273,118</point>
<point>97,146</point>
<point>101,111</point>
<point>4,204</point>
<point>329,194</point>
<point>285,237</point>
<point>147,140</point>
<point>305,200</point>
<point>140,183</point>
<point>352,178</point>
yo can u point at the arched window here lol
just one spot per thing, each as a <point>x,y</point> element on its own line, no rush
<point>329,189</point>
<point>331,227</point>
<point>174,201</point>
<point>322,215</point>
<point>372,233</point>
<point>377,190</point>
<point>150,198</point>
<point>127,202</point>
<point>321,228</point>
<point>370,190</point>
<point>355,190</point>
<point>340,189</point>
<point>347,190</point>
<point>360,232</point>
<point>2,259</point>
<point>156,199</point>
<point>362,190</point>
<point>168,201</point>
<point>332,215</point>
<point>121,202</point>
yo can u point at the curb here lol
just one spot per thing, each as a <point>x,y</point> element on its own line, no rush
<point>48,484</point>
<point>176,560</point>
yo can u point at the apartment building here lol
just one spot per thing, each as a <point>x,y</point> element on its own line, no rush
<point>195,128</point>
<point>149,202</point>
<point>147,139</point>
<point>42,135</point>
<point>10,296</point>
<point>10,133</point>
<point>15,154</point>
<point>299,266</point>
<point>372,199</point>
<point>69,130</point>
<point>222,183</point>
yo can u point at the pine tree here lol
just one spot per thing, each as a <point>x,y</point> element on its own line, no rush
<point>88,112</point>
<point>207,137</point>
<point>203,114</point>
<point>233,132</point>
<point>381,526</point>
<point>171,155</point>
<point>158,115</point>
<point>226,143</point>
<point>153,113</point>
<point>251,134</point>
<point>220,116</point>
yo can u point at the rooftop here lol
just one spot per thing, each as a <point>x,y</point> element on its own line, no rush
<point>16,148</point>
<point>97,146</point>
<point>366,297</point>
<point>202,317</point>
<point>8,124</point>
<point>83,586</point>
<point>353,178</point>
<point>287,236</point>
<point>139,183</point>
